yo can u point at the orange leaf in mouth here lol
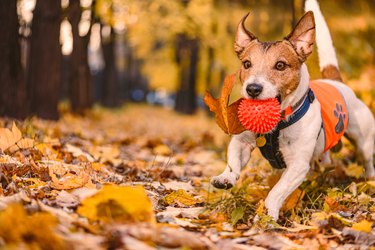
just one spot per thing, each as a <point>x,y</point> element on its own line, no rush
<point>226,115</point>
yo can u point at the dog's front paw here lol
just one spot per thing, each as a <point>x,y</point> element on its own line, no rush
<point>225,180</point>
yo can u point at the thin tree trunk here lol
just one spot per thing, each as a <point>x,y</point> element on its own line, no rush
<point>111,96</point>
<point>44,76</point>
<point>81,89</point>
<point>187,51</point>
<point>12,84</point>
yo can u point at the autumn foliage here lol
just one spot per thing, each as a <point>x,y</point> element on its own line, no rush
<point>125,180</point>
<point>225,113</point>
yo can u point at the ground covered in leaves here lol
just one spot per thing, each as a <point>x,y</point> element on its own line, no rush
<point>138,178</point>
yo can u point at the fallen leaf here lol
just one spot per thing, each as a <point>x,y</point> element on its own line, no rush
<point>65,176</point>
<point>9,137</point>
<point>7,200</point>
<point>176,185</point>
<point>275,241</point>
<point>319,219</point>
<point>84,192</point>
<point>120,204</point>
<point>166,236</point>
<point>363,226</point>
<point>359,237</point>
<point>226,115</point>
<point>237,215</point>
<point>181,197</point>
<point>354,170</point>
<point>65,199</point>
<point>24,143</point>
<point>162,150</point>
<point>134,244</point>
<point>78,152</point>
<point>38,228</point>
<point>298,228</point>
<point>189,213</point>
<point>293,200</point>
<point>364,199</point>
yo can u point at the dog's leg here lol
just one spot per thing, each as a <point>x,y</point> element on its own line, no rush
<point>239,150</point>
<point>361,132</point>
<point>292,177</point>
<point>365,150</point>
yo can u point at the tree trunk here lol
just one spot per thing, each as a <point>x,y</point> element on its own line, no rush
<point>111,96</point>
<point>12,84</point>
<point>81,89</point>
<point>44,76</point>
<point>187,51</point>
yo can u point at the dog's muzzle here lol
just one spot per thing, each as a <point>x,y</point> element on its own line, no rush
<point>254,89</point>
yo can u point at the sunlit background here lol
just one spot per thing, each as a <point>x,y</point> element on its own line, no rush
<point>169,52</point>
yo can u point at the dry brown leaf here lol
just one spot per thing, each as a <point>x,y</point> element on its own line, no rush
<point>65,176</point>
<point>226,115</point>
<point>293,199</point>
<point>165,236</point>
<point>9,137</point>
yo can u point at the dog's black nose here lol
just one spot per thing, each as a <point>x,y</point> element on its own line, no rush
<point>254,89</point>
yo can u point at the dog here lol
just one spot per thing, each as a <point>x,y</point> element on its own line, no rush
<point>277,70</point>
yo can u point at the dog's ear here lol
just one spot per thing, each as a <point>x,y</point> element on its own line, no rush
<point>243,36</point>
<point>303,36</point>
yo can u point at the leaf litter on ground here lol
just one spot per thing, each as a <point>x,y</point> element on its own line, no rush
<point>129,180</point>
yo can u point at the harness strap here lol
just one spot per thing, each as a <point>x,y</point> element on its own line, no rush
<point>271,150</point>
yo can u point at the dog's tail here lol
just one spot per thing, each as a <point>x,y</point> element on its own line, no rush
<point>326,52</point>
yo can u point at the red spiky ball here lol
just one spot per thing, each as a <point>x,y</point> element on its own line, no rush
<point>259,116</point>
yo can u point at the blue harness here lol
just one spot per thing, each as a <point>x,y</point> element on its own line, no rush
<point>271,150</point>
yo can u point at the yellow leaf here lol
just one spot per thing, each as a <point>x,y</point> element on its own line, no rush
<point>371,183</point>
<point>181,197</point>
<point>363,226</point>
<point>318,218</point>
<point>162,150</point>
<point>226,115</point>
<point>9,137</point>
<point>38,229</point>
<point>261,209</point>
<point>120,204</point>
<point>354,170</point>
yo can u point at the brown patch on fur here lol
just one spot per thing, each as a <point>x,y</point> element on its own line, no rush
<point>331,72</point>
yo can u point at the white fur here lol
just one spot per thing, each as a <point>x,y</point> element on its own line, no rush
<point>326,51</point>
<point>303,141</point>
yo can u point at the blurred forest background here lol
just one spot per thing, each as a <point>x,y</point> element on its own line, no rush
<point>72,54</point>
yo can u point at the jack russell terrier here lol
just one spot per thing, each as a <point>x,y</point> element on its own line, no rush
<point>315,114</point>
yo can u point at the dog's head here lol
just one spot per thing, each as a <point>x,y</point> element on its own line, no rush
<point>273,69</point>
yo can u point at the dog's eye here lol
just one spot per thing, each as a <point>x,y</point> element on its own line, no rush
<point>280,65</point>
<point>246,64</point>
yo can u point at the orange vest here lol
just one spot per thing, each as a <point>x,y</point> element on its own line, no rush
<point>334,112</point>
